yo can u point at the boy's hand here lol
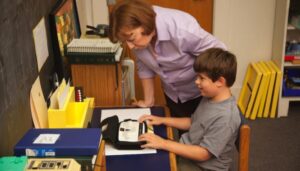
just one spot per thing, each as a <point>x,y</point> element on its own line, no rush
<point>152,141</point>
<point>151,120</point>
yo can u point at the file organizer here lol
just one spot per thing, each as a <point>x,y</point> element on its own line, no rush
<point>73,114</point>
<point>270,89</point>
<point>263,89</point>
<point>249,90</point>
<point>257,94</point>
<point>276,90</point>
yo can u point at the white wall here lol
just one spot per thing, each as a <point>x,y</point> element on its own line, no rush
<point>92,12</point>
<point>246,27</point>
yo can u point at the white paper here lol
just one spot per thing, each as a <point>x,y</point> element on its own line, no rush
<point>62,96</point>
<point>40,43</point>
<point>122,115</point>
<point>46,139</point>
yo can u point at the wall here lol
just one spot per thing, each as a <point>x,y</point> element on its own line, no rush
<point>18,66</point>
<point>92,12</point>
<point>246,27</point>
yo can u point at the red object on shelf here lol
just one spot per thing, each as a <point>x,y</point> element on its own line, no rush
<point>291,57</point>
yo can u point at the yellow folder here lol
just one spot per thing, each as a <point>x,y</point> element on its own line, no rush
<point>262,91</point>
<point>249,89</point>
<point>278,80</point>
<point>266,111</point>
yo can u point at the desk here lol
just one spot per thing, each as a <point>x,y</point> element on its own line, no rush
<point>161,161</point>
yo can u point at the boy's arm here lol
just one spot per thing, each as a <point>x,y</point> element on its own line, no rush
<point>193,152</point>
<point>179,123</point>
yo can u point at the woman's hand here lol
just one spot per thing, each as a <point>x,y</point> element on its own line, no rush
<point>151,120</point>
<point>152,141</point>
<point>141,103</point>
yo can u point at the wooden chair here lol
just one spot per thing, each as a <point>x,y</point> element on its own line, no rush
<point>243,147</point>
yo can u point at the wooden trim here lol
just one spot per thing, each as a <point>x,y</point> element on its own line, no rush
<point>100,164</point>
<point>172,156</point>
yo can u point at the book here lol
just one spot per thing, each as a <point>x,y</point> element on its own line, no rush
<point>296,61</point>
<point>291,57</point>
<point>270,89</point>
<point>278,80</point>
<point>59,142</point>
<point>249,89</point>
<point>92,46</point>
<point>93,51</point>
<point>94,58</point>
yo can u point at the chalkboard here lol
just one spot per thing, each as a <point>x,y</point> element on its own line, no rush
<point>18,66</point>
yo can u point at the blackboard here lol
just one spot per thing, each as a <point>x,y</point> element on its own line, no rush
<point>18,66</point>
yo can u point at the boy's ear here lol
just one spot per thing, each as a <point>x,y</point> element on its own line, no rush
<point>221,82</point>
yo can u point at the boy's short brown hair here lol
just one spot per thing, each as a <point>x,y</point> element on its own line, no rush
<point>216,63</point>
<point>131,14</point>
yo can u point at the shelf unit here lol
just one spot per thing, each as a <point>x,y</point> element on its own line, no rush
<point>283,32</point>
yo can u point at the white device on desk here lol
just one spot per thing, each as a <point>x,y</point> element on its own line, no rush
<point>52,164</point>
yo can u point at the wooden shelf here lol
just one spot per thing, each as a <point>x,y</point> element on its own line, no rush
<point>103,82</point>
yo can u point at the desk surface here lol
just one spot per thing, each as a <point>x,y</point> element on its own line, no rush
<point>161,161</point>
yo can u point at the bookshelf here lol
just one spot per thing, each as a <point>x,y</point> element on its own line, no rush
<point>284,32</point>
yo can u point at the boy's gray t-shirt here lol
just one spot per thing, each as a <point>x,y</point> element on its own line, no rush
<point>214,126</point>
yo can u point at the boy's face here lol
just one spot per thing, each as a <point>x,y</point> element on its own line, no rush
<point>207,87</point>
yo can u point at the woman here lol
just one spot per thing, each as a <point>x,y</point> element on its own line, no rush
<point>165,43</point>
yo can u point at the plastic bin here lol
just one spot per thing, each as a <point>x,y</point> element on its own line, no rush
<point>73,114</point>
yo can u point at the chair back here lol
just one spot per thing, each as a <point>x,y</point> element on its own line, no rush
<point>243,147</point>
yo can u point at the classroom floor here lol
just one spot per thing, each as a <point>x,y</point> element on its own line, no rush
<point>275,143</point>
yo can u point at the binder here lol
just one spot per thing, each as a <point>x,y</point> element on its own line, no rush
<point>93,51</point>
<point>249,89</point>
<point>263,89</point>
<point>266,111</point>
<point>278,80</point>
<point>71,142</point>
<point>103,45</point>
<point>94,58</point>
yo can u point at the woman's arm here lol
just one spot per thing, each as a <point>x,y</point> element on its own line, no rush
<point>148,89</point>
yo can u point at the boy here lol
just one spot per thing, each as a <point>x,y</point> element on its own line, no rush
<point>213,127</point>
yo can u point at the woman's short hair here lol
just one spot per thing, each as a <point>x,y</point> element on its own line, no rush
<point>130,14</point>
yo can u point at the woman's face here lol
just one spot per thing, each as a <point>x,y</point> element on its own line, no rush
<point>135,38</point>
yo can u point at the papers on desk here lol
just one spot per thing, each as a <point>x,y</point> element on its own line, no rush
<point>122,115</point>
